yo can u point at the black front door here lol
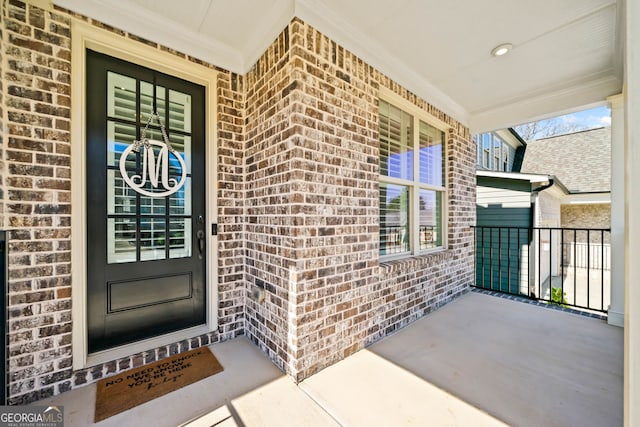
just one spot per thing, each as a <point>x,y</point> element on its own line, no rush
<point>146,213</point>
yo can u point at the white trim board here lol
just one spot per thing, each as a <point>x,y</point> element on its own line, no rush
<point>587,199</point>
<point>86,36</point>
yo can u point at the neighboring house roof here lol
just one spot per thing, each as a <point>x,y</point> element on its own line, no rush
<point>532,178</point>
<point>581,160</point>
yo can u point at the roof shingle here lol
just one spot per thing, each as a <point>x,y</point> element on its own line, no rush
<point>582,160</point>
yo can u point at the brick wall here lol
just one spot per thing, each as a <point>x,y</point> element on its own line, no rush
<point>338,243</point>
<point>586,216</point>
<point>230,195</point>
<point>591,216</point>
<point>312,208</point>
<point>37,199</point>
<point>348,299</point>
<point>3,20</point>
<point>297,206</point>
<point>271,219</point>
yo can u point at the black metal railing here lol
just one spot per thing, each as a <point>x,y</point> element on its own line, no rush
<point>4,303</point>
<point>563,266</point>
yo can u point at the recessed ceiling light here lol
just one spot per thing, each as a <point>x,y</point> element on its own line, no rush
<point>501,49</point>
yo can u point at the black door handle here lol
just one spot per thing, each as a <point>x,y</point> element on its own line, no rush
<point>200,237</point>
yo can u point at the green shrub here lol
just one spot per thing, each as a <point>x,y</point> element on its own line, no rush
<point>558,297</point>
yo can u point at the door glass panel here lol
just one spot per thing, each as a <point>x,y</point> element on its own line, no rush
<point>179,111</point>
<point>152,205</point>
<point>180,237</point>
<point>119,137</point>
<point>152,239</point>
<point>121,199</point>
<point>121,238</point>
<point>154,133</point>
<point>182,145</point>
<point>146,102</point>
<point>154,166</point>
<point>121,102</point>
<point>180,201</point>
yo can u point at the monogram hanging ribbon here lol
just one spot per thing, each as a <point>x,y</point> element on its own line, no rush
<point>155,164</point>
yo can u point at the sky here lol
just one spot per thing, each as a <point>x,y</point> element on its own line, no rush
<point>580,120</point>
<point>589,119</point>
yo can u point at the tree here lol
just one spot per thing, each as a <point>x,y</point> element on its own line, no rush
<point>547,128</point>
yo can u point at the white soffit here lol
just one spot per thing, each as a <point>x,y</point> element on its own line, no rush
<point>220,32</point>
<point>566,53</point>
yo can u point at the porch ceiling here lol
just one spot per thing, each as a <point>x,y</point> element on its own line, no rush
<point>566,54</point>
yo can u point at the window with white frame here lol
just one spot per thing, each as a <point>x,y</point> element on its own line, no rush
<point>497,154</point>
<point>505,158</point>
<point>412,183</point>
<point>486,151</point>
<point>494,153</point>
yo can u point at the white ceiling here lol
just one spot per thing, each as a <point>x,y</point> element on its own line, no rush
<point>567,53</point>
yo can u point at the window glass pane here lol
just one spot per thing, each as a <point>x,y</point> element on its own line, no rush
<point>486,146</point>
<point>179,111</point>
<point>121,238</point>
<point>497,154</point>
<point>505,157</point>
<point>430,216</point>
<point>121,96</point>
<point>394,219</point>
<point>180,237</point>
<point>431,142</point>
<point>396,146</point>
<point>152,239</point>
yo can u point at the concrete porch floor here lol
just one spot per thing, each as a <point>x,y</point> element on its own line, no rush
<point>480,360</point>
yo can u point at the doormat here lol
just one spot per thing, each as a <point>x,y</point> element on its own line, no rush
<point>132,388</point>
